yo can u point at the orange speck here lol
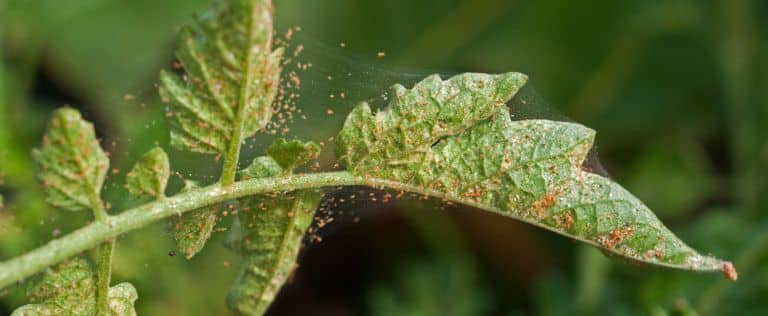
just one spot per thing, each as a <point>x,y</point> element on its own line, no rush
<point>729,271</point>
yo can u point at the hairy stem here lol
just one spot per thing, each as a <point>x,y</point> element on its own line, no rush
<point>229,169</point>
<point>104,276</point>
<point>105,257</point>
<point>98,232</point>
<point>233,149</point>
<point>89,236</point>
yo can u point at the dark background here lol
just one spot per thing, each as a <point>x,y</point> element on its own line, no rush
<point>677,90</point>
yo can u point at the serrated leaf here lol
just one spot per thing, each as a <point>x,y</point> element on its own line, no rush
<point>268,232</point>
<point>261,167</point>
<point>121,299</point>
<point>70,289</point>
<point>445,140</point>
<point>273,228</point>
<point>231,77</point>
<point>290,154</point>
<point>192,230</point>
<point>72,165</point>
<point>149,176</point>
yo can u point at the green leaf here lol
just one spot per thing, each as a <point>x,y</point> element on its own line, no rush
<point>261,167</point>
<point>70,288</point>
<point>192,230</point>
<point>231,78</point>
<point>290,154</point>
<point>455,140</point>
<point>121,299</point>
<point>149,176</point>
<point>272,229</point>
<point>269,229</point>
<point>72,165</point>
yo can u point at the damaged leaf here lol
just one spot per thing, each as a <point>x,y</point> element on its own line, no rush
<point>72,164</point>
<point>149,176</point>
<point>70,289</point>
<point>269,230</point>
<point>455,140</point>
<point>230,81</point>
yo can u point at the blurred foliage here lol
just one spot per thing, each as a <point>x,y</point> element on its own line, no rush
<point>676,90</point>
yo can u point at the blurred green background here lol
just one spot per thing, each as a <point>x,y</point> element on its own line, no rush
<point>677,90</point>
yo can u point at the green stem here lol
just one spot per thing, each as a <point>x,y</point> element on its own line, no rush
<point>105,257</point>
<point>89,236</point>
<point>98,232</point>
<point>233,149</point>
<point>229,170</point>
<point>103,278</point>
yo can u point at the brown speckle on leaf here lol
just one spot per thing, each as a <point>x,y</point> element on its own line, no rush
<point>729,271</point>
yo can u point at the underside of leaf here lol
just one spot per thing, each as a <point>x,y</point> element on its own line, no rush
<point>192,230</point>
<point>272,231</point>
<point>230,81</point>
<point>70,289</point>
<point>527,170</point>
<point>149,176</point>
<point>72,164</point>
<point>269,229</point>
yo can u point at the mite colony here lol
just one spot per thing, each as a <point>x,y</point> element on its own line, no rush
<point>285,107</point>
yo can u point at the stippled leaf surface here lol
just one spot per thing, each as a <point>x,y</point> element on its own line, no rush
<point>72,165</point>
<point>289,154</point>
<point>454,139</point>
<point>149,176</point>
<point>268,232</point>
<point>192,230</point>
<point>230,81</point>
<point>70,289</point>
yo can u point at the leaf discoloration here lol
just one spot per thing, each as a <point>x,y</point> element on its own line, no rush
<point>230,81</point>
<point>70,289</point>
<point>149,176</point>
<point>528,170</point>
<point>72,164</point>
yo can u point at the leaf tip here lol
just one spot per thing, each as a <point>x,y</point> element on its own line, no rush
<point>729,271</point>
<point>510,83</point>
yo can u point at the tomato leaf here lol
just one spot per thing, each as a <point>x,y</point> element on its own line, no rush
<point>70,288</point>
<point>269,230</point>
<point>72,165</point>
<point>231,77</point>
<point>455,140</point>
<point>149,176</point>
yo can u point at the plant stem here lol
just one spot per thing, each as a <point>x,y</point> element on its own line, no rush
<point>89,236</point>
<point>93,234</point>
<point>105,257</point>
<point>229,170</point>
<point>103,277</point>
<point>233,149</point>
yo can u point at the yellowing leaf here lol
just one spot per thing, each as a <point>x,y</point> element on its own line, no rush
<point>70,289</point>
<point>149,176</point>
<point>455,140</point>
<point>231,78</point>
<point>72,165</point>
